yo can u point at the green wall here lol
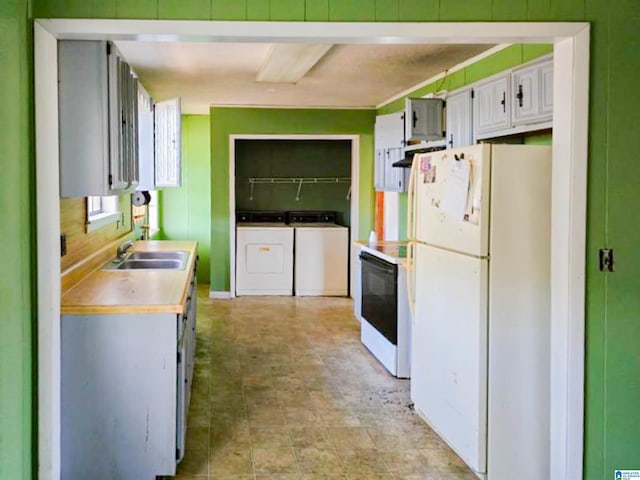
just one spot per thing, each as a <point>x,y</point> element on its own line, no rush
<point>299,159</point>
<point>235,121</point>
<point>613,305</point>
<point>185,211</point>
<point>17,226</point>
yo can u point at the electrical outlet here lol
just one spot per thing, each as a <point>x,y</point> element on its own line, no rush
<point>63,245</point>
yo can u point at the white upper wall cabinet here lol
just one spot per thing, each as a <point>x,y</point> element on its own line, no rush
<point>492,110</point>
<point>532,93</point>
<point>389,143</point>
<point>459,119</point>
<point>423,119</point>
<point>167,143</point>
<point>98,120</point>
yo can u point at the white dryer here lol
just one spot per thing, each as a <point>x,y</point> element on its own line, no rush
<point>264,254</point>
<point>321,259</point>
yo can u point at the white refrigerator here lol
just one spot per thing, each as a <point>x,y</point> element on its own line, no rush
<point>479,230</point>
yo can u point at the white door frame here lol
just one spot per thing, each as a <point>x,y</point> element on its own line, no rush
<point>570,129</point>
<point>355,198</point>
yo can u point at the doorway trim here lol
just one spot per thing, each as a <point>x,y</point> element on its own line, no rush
<point>354,192</point>
<point>569,172</point>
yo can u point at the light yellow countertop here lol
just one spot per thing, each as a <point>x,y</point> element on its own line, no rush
<point>134,291</point>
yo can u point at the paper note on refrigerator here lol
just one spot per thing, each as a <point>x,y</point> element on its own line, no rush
<point>456,188</point>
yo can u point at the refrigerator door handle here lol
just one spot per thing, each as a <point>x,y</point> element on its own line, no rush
<point>410,280</point>
<point>410,196</point>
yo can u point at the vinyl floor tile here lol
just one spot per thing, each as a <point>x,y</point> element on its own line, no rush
<point>284,390</point>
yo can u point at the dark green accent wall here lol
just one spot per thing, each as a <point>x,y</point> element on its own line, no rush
<point>186,211</point>
<point>17,225</point>
<point>294,158</point>
<point>613,306</point>
<point>256,121</point>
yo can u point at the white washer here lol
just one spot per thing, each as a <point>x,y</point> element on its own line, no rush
<point>264,259</point>
<point>321,259</point>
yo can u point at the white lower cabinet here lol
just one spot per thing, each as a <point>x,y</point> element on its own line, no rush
<point>126,381</point>
<point>356,275</point>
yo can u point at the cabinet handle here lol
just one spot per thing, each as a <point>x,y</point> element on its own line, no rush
<point>520,95</point>
<point>504,102</point>
<point>451,141</point>
<point>415,118</point>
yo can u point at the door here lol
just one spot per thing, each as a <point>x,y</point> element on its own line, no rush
<point>459,123</point>
<point>423,119</point>
<point>526,95</point>
<point>167,143</point>
<point>546,90</point>
<point>380,295</point>
<point>449,349</point>
<point>451,186</point>
<point>491,110</point>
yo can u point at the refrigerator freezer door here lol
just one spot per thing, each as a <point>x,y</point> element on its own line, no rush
<point>441,190</point>
<point>449,350</point>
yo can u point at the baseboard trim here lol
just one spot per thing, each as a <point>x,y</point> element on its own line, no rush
<point>220,295</point>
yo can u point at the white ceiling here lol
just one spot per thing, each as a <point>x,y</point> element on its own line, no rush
<point>351,76</point>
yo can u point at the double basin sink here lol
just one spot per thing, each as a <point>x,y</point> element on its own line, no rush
<point>173,260</point>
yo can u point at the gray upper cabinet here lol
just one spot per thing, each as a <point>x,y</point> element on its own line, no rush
<point>459,119</point>
<point>423,119</point>
<point>167,143</point>
<point>491,108</point>
<point>532,93</point>
<point>98,120</point>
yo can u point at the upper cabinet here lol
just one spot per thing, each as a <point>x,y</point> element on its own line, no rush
<point>160,147</point>
<point>423,119</point>
<point>98,120</point>
<point>516,101</point>
<point>389,143</point>
<point>459,119</point>
<point>491,110</point>
<point>532,88</point>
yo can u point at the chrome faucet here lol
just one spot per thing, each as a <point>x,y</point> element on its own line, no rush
<point>122,251</point>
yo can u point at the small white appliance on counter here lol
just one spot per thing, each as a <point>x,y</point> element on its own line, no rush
<point>479,219</point>
<point>264,254</point>
<point>321,258</point>
<point>385,326</point>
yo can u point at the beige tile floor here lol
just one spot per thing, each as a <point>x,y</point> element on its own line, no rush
<point>284,390</point>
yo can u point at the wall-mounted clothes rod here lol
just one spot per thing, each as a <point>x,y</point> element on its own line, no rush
<point>296,181</point>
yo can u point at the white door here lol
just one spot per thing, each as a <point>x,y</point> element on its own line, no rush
<point>459,125</point>
<point>491,110</point>
<point>449,350</point>
<point>452,195</point>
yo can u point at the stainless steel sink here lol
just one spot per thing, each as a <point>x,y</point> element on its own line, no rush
<point>177,255</point>
<point>174,260</point>
<point>151,265</point>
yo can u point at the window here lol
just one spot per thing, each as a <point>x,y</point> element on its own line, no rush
<point>102,211</point>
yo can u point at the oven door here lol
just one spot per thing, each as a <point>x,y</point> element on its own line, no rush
<point>380,295</point>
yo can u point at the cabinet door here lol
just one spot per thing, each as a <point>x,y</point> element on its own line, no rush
<point>423,119</point>
<point>378,172</point>
<point>167,143</point>
<point>393,176</point>
<point>146,154</point>
<point>546,93</point>
<point>491,109</point>
<point>117,151</point>
<point>526,95</point>
<point>389,130</point>
<point>459,121</point>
